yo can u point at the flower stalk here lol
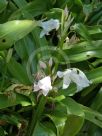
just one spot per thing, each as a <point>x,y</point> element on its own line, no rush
<point>36,115</point>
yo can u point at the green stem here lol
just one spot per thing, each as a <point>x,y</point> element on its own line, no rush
<point>36,115</point>
<point>3,77</point>
<point>60,46</point>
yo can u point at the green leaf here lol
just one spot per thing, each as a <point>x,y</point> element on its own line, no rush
<point>73,125</point>
<point>87,9</point>
<point>95,75</point>
<point>79,52</point>
<point>18,72</point>
<point>97,102</point>
<point>33,9</point>
<point>7,101</point>
<point>2,131</point>
<point>73,108</point>
<point>92,116</point>
<point>3,4</point>
<point>12,31</point>
<point>41,130</point>
<point>58,119</point>
<point>11,119</point>
<point>82,30</point>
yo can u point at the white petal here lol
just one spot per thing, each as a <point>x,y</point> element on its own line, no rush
<point>45,92</point>
<point>74,75</point>
<point>79,88</point>
<point>45,85</point>
<point>36,88</point>
<point>79,78</point>
<point>60,74</point>
<point>49,26</point>
<point>66,80</point>
<point>45,80</point>
<point>43,33</point>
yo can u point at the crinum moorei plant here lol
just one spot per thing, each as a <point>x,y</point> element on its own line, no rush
<point>75,75</point>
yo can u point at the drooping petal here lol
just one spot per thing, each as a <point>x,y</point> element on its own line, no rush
<point>36,88</point>
<point>45,92</point>
<point>45,82</point>
<point>44,85</point>
<point>79,78</point>
<point>60,74</point>
<point>66,79</point>
<point>43,32</point>
<point>66,82</point>
<point>49,26</point>
<point>74,75</point>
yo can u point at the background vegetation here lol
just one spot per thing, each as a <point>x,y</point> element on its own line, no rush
<point>66,113</point>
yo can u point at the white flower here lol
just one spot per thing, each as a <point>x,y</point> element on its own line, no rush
<point>74,75</point>
<point>49,26</point>
<point>44,85</point>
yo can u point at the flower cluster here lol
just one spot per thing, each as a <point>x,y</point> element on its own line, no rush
<point>70,75</point>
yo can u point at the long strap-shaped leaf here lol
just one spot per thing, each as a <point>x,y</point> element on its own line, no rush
<point>13,31</point>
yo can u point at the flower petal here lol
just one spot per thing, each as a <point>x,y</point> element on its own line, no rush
<point>36,88</point>
<point>74,75</point>
<point>60,74</point>
<point>66,81</point>
<point>49,26</point>
<point>79,78</point>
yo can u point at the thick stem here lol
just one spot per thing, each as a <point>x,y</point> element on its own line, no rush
<point>36,116</point>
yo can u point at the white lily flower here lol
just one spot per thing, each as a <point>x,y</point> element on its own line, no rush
<point>74,75</point>
<point>44,85</point>
<point>49,26</point>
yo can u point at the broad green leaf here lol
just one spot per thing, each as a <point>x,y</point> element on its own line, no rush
<point>55,13</point>
<point>12,31</point>
<point>18,71</point>
<point>95,75</point>
<point>64,110</point>
<point>97,102</point>
<point>79,52</point>
<point>25,48</point>
<point>7,101</point>
<point>92,116</point>
<point>73,108</point>
<point>3,4</point>
<point>33,9</point>
<point>73,125</point>
<point>82,30</point>
<point>41,130</point>
<point>59,119</point>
